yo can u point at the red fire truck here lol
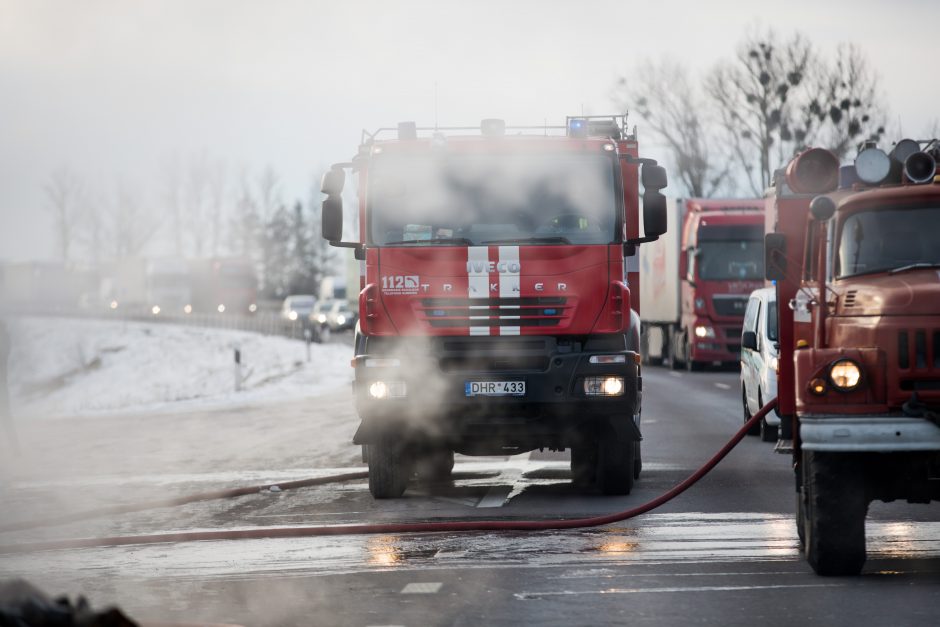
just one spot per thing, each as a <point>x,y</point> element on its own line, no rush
<point>696,282</point>
<point>857,273</point>
<point>495,312</point>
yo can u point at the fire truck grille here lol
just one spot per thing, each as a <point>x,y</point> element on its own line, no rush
<point>729,304</point>
<point>534,311</point>
<point>919,350</point>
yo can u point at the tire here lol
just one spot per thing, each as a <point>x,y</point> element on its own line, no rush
<point>801,517</point>
<point>637,461</point>
<point>615,465</point>
<point>388,471</point>
<point>690,364</point>
<point>584,465</point>
<point>755,430</point>
<point>835,507</point>
<point>767,433</point>
<point>672,353</point>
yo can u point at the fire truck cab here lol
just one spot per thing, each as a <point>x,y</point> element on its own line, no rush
<point>495,313</point>
<point>855,260</point>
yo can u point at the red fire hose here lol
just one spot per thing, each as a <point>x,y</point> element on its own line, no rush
<point>387,528</point>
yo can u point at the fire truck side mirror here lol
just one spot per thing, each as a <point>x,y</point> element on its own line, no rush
<point>822,208</point>
<point>654,213</point>
<point>333,181</point>
<point>332,218</point>
<point>654,178</point>
<point>775,257</point>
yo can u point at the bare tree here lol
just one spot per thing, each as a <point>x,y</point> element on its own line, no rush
<point>173,199</point>
<point>759,98</point>
<point>92,227</point>
<point>131,224</point>
<point>245,223</point>
<point>196,199</point>
<point>64,196</point>
<point>216,190</point>
<point>674,110</point>
<point>849,109</point>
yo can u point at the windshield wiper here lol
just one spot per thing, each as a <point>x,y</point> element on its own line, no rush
<point>554,239</point>
<point>913,266</point>
<point>457,241</point>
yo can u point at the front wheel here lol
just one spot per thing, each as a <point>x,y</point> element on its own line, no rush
<point>388,471</point>
<point>747,412</point>
<point>616,467</point>
<point>767,432</point>
<point>835,506</point>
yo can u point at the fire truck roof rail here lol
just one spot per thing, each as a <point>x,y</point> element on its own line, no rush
<point>612,126</point>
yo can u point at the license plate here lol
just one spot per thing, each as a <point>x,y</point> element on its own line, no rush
<point>494,388</point>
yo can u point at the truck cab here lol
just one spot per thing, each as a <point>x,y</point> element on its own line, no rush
<point>495,313</point>
<point>857,271</point>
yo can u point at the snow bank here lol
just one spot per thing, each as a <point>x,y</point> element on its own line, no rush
<point>63,367</point>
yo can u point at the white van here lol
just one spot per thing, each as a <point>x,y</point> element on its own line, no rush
<point>759,360</point>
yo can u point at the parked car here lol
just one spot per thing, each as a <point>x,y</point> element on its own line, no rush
<point>759,360</point>
<point>298,307</point>
<point>340,316</point>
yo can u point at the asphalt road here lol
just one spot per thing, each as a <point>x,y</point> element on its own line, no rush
<point>723,553</point>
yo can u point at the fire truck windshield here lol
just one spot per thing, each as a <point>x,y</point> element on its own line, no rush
<point>473,199</point>
<point>888,239</point>
<point>728,260</point>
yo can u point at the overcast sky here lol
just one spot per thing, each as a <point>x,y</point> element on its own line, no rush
<point>117,89</point>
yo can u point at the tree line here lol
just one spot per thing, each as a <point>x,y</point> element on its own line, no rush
<point>200,211</point>
<point>732,127</point>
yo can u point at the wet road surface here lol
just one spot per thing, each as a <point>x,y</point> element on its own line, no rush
<point>725,552</point>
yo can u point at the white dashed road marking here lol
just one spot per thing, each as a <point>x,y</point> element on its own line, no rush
<point>723,386</point>
<point>432,587</point>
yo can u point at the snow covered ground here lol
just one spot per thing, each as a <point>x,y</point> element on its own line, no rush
<point>65,367</point>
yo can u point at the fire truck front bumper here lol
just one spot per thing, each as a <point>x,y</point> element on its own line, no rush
<point>867,433</point>
<point>550,408</point>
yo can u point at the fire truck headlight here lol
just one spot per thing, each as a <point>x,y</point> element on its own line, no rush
<point>603,386</point>
<point>704,331</point>
<point>380,390</point>
<point>845,375</point>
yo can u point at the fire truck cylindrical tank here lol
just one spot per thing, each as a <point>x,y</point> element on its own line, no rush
<point>813,171</point>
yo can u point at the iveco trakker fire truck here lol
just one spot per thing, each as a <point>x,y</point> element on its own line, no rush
<point>495,311</point>
<point>695,282</point>
<point>856,261</point>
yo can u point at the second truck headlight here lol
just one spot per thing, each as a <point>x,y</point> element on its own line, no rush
<point>845,375</point>
<point>603,386</point>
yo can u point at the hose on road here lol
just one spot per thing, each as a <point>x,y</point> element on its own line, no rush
<point>390,528</point>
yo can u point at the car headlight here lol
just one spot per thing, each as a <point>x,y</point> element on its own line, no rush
<point>845,375</point>
<point>292,315</point>
<point>321,318</point>
<point>340,319</point>
<point>704,331</point>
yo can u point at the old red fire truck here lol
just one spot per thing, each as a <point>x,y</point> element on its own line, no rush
<point>496,313</point>
<point>856,262</point>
